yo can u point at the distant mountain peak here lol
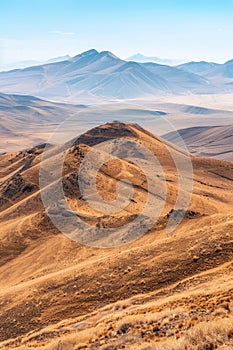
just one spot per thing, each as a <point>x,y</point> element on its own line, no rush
<point>229,62</point>
<point>138,57</point>
<point>59,59</point>
<point>108,54</point>
<point>87,53</point>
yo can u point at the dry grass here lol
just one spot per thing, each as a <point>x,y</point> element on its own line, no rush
<point>204,336</point>
<point>142,327</point>
<point>120,296</point>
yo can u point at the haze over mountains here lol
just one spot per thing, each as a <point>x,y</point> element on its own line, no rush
<point>26,121</point>
<point>30,63</point>
<point>102,75</point>
<point>138,57</point>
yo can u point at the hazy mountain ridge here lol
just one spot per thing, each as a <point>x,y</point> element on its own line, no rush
<point>201,67</point>
<point>28,63</point>
<point>103,75</point>
<point>138,57</point>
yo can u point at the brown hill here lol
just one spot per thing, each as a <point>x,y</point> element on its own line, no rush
<point>207,141</point>
<point>59,294</point>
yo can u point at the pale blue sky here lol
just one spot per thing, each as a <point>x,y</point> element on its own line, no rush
<point>190,30</point>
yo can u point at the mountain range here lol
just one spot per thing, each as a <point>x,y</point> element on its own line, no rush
<point>102,75</point>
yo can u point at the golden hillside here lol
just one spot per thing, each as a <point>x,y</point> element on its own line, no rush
<point>159,291</point>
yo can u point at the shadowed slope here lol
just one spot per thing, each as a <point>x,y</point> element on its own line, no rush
<point>216,141</point>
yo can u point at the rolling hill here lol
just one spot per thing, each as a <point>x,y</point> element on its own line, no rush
<point>201,68</point>
<point>159,291</point>
<point>215,141</point>
<point>26,120</point>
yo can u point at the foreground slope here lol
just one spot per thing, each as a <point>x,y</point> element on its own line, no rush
<point>56,293</point>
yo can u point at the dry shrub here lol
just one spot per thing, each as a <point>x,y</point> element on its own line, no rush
<point>204,336</point>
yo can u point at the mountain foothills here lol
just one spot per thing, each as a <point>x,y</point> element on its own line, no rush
<point>95,75</point>
<point>161,291</point>
<point>206,141</point>
<point>26,121</point>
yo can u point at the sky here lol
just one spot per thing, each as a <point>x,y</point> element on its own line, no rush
<point>176,29</point>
